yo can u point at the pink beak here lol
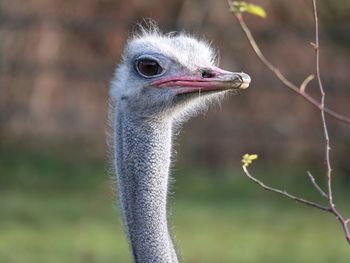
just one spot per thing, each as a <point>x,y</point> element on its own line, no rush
<point>212,79</point>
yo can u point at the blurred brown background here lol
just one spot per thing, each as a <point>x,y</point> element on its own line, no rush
<point>57,58</point>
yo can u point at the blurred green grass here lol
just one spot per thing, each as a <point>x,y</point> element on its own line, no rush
<point>59,207</point>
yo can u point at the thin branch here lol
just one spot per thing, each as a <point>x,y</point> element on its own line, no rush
<point>323,117</point>
<point>305,83</point>
<point>333,210</point>
<point>284,193</point>
<point>315,184</point>
<point>343,222</point>
<point>320,105</point>
<point>278,73</point>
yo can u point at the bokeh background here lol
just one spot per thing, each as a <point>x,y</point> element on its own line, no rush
<point>56,200</point>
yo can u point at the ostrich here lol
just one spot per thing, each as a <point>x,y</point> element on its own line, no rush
<point>160,82</point>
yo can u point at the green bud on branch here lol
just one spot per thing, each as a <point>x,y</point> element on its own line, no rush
<point>241,7</point>
<point>248,159</point>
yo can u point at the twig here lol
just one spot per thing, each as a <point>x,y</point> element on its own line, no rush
<point>305,83</point>
<point>333,210</point>
<point>323,117</point>
<point>343,222</point>
<point>320,105</point>
<point>315,184</point>
<point>284,193</point>
<point>279,75</point>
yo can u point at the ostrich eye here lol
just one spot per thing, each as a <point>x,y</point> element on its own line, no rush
<point>148,67</point>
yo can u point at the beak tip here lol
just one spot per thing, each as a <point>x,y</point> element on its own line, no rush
<point>245,80</point>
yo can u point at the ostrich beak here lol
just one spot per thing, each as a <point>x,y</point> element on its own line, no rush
<point>206,79</point>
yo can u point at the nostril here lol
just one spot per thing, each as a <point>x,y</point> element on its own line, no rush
<point>207,73</point>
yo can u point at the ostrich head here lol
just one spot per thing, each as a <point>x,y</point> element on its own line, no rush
<point>160,79</point>
<point>169,75</point>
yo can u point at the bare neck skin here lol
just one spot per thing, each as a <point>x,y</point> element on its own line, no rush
<point>142,160</point>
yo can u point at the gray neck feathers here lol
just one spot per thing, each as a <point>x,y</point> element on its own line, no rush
<point>142,159</point>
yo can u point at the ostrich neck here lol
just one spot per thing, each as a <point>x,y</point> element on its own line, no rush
<point>142,159</point>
